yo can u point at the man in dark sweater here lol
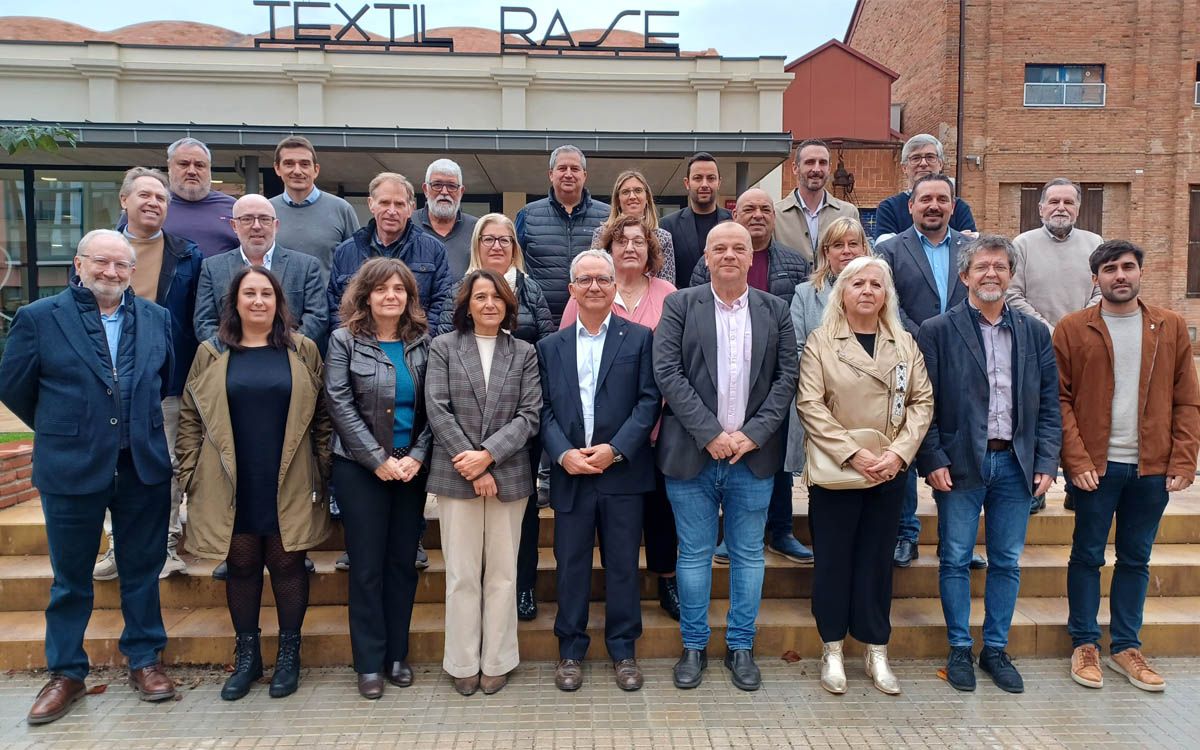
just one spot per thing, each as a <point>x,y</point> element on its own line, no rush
<point>689,227</point>
<point>922,155</point>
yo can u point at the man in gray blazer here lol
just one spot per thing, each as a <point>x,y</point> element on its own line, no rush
<point>924,259</point>
<point>299,274</point>
<point>725,361</point>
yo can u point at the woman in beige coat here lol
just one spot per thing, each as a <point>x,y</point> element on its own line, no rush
<point>866,402</point>
<point>254,455</point>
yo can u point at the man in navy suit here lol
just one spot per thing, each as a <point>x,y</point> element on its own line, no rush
<point>88,368</point>
<point>690,226</point>
<point>600,404</point>
<point>993,444</point>
<point>924,261</point>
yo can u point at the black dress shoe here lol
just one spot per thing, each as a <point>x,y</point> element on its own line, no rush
<point>400,674</point>
<point>689,670</point>
<point>221,572</point>
<point>743,670</point>
<point>526,605</point>
<point>906,552</point>
<point>370,685</point>
<point>668,596</point>
<point>1069,500</point>
<point>309,565</point>
<point>978,561</point>
<point>1037,505</point>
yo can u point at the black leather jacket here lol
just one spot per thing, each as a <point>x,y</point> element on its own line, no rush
<point>360,387</point>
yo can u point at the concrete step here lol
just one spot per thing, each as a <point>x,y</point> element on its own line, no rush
<point>21,531</point>
<point>205,636</point>
<point>1174,571</point>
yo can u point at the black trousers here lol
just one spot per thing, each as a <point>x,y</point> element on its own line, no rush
<point>658,522</point>
<point>854,538</point>
<point>619,518</point>
<point>527,552</point>
<point>381,520</point>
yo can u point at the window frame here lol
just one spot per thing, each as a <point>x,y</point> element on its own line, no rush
<point>1062,75</point>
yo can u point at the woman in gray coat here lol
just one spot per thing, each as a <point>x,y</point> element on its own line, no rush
<point>841,242</point>
<point>483,397</point>
<point>374,378</point>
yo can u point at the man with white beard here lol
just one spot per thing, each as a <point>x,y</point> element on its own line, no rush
<point>442,217</point>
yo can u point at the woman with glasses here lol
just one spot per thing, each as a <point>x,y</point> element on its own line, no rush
<point>494,246</point>
<point>631,196</point>
<point>641,290</point>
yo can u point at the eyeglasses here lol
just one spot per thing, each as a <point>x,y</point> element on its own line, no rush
<point>637,242</point>
<point>919,158</point>
<point>449,187</point>
<point>998,267</point>
<point>101,262</point>
<point>249,221</point>
<point>604,282</point>
<point>635,192</point>
<point>489,240</point>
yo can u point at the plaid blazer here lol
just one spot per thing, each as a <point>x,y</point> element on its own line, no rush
<point>465,416</point>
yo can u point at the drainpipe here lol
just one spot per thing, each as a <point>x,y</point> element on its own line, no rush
<point>958,139</point>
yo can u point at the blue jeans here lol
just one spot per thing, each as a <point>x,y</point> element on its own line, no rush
<point>696,502</point>
<point>140,514</point>
<point>910,525</point>
<point>1005,497</point>
<point>1138,504</point>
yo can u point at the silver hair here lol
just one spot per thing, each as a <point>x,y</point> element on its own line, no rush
<point>97,233</point>
<point>188,141</point>
<point>1060,181</point>
<point>835,309</point>
<point>445,166</point>
<point>133,174</point>
<point>918,141</point>
<point>594,252</point>
<point>985,242</point>
<point>567,149</point>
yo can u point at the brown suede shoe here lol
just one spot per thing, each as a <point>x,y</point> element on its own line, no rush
<point>55,699</point>
<point>629,674</point>
<point>491,685</point>
<point>152,683</point>
<point>1085,666</point>
<point>1132,664</point>
<point>466,685</point>
<point>568,675</point>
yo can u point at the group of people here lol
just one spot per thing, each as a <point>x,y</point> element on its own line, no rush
<point>245,359</point>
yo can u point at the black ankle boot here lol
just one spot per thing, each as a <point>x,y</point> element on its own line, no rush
<point>287,665</point>
<point>247,667</point>
<point>668,596</point>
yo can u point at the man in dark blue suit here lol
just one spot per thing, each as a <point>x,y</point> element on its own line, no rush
<point>689,227</point>
<point>600,404</point>
<point>993,444</point>
<point>88,369</point>
<point>923,260</point>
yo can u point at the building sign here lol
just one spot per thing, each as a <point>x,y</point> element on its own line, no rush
<point>518,29</point>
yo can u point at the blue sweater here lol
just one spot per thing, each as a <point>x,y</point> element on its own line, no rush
<point>893,217</point>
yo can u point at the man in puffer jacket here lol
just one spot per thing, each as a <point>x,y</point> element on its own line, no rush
<point>555,229</point>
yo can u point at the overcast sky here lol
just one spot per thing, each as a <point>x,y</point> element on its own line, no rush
<point>787,28</point>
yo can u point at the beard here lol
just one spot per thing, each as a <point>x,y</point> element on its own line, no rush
<point>988,295</point>
<point>1059,226</point>
<point>190,193</point>
<point>443,210</point>
<point>1118,296</point>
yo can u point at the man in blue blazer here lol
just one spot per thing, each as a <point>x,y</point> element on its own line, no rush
<point>690,226</point>
<point>924,261</point>
<point>993,444</point>
<point>600,404</point>
<point>88,368</point>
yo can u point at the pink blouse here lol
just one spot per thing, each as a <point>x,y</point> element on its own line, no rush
<point>647,313</point>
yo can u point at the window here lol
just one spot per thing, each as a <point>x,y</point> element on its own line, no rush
<point>1193,266</point>
<point>1091,207</point>
<point>1197,91</point>
<point>1064,86</point>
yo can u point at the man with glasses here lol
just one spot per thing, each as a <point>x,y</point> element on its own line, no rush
<point>310,221</point>
<point>922,155</point>
<point>808,209</point>
<point>89,368</point>
<point>442,214</point>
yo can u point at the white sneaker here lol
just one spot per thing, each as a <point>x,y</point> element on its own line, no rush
<point>174,564</point>
<point>106,567</point>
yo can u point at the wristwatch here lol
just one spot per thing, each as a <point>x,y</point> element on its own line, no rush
<point>617,456</point>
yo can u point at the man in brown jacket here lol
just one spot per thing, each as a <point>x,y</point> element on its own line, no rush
<point>1131,431</point>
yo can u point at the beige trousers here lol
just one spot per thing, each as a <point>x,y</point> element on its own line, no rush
<point>480,537</point>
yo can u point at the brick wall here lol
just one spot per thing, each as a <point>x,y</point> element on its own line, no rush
<point>16,467</point>
<point>876,174</point>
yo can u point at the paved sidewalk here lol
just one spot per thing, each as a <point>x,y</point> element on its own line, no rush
<point>791,711</point>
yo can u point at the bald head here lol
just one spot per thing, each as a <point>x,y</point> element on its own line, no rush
<point>728,253</point>
<point>255,224</point>
<point>756,212</point>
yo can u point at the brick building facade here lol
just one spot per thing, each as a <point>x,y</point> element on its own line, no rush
<point>1103,92</point>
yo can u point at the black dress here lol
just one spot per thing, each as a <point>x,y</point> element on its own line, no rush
<point>259,386</point>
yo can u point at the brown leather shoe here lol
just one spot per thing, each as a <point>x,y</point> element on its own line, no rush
<point>152,683</point>
<point>400,674</point>
<point>629,674</point>
<point>55,699</point>
<point>370,685</point>
<point>466,685</point>
<point>1085,666</point>
<point>1132,664</point>
<point>491,685</point>
<point>568,675</point>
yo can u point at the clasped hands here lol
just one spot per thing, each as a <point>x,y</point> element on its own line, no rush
<point>473,467</point>
<point>591,460</point>
<point>880,468</point>
<point>731,445</point>
<point>398,469</point>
